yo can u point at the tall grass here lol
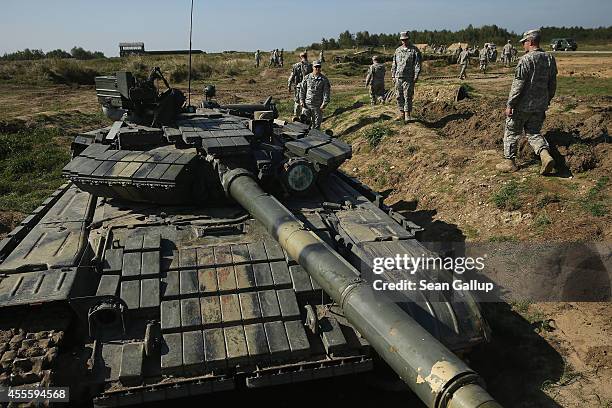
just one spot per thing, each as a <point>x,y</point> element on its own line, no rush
<point>175,67</point>
<point>31,161</point>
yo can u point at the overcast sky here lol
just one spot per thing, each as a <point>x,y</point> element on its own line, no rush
<point>265,24</point>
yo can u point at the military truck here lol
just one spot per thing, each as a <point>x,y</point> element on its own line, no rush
<point>563,44</point>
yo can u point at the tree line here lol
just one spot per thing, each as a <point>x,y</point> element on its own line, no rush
<point>470,34</point>
<point>76,52</point>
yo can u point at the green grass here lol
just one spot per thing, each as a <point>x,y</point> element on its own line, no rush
<point>584,86</point>
<point>507,197</point>
<point>521,306</point>
<point>376,133</point>
<point>595,200</point>
<point>30,167</point>
<point>542,220</point>
<point>548,198</point>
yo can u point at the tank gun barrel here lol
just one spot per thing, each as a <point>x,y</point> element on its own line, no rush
<point>438,377</point>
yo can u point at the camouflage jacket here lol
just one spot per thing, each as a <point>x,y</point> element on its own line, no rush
<point>376,74</point>
<point>464,57</point>
<point>257,55</point>
<point>508,49</point>
<point>315,90</point>
<point>483,54</point>
<point>298,71</point>
<point>406,63</point>
<point>535,82</point>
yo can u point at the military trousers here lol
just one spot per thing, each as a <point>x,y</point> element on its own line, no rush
<point>297,106</point>
<point>405,93</point>
<point>377,92</point>
<point>483,65</point>
<point>507,59</point>
<point>462,74</point>
<point>528,122</point>
<point>315,114</point>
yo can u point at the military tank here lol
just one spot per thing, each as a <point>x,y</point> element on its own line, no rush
<point>199,250</point>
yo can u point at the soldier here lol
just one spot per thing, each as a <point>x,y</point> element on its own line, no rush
<point>257,58</point>
<point>321,57</point>
<point>375,80</point>
<point>405,73</point>
<point>508,53</point>
<point>315,94</point>
<point>463,60</point>
<point>533,87</point>
<point>272,58</point>
<point>483,56</point>
<point>281,59</point>
<point>299,70</point>
<point>514,54</point>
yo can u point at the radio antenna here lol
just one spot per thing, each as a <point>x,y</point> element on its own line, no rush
<point>190,36</point>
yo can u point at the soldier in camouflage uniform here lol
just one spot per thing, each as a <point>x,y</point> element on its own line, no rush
<point>483,56</point>
<point>533,87</point>
<point>299,70</point>
<point>314,95</point>
<point>514,54</point>
<point>272,58</point>
<point>463,60</point>
<point>508,53</point>
<point>405,72</point>
<point>375,80</point>
<point>257,58</point>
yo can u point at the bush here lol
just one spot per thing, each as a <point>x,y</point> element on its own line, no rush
<point>507,197</point>
<point>137,67</point>
<point>58,54</point>
<point>376,133</point>
<point>69,72</point>
<point>178,73</point>
<point>81,54</point>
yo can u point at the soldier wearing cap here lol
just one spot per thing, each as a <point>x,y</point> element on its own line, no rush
<point>375,80</point>
<point>508,53</point>
<point>533,87</point>
<point>405,72</point>
<point>463,60</point>
<point>315,94</point>
<point>257,58</point>
<point>483,56</point>
<point>299,70</point>
<point>272,58</point>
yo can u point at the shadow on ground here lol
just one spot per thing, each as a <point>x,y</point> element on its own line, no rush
<point>443,121</point>
<point>517,358</point>
<point>364,121</point>
<point>343,109</point>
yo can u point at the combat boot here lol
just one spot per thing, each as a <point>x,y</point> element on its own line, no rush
<point>507,166</point>
<point>407,117</point>
<point>548,163</point>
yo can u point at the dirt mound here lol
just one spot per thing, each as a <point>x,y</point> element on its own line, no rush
<point>580,142</point>
<point>480,125</point>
